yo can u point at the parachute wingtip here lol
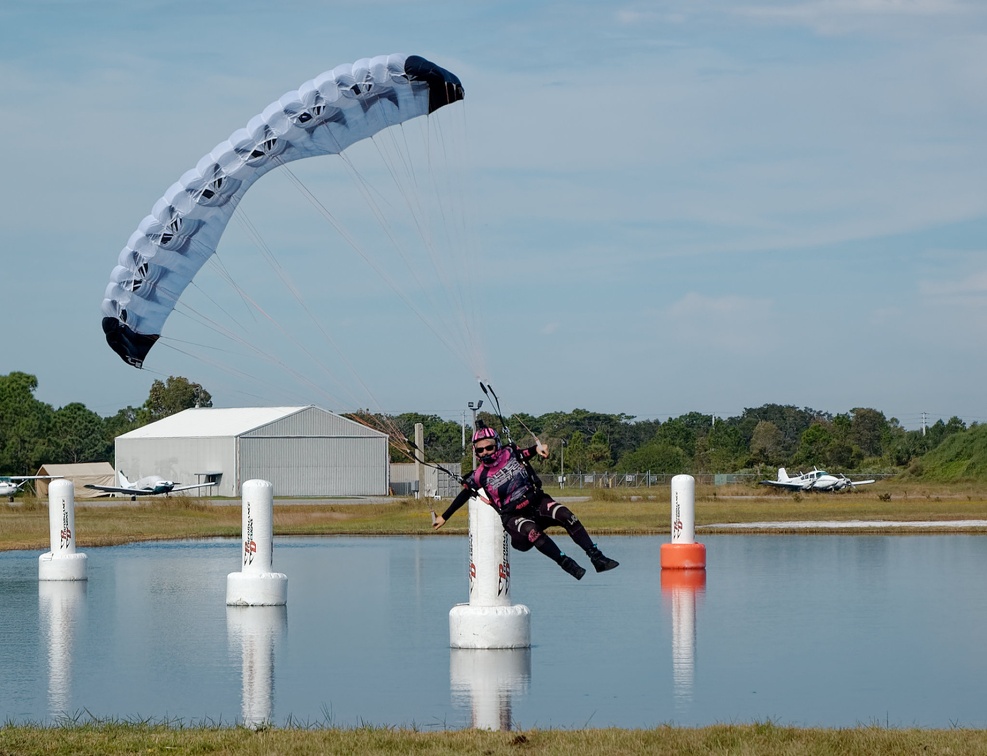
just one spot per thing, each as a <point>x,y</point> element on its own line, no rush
<point>132,347</point>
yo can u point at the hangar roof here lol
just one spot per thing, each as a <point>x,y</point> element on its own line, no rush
<point>213,422</point>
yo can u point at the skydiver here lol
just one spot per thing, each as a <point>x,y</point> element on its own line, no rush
<point>515,492</point>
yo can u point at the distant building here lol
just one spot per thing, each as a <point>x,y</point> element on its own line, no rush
<point>81,474</point>
<point>302,451</point>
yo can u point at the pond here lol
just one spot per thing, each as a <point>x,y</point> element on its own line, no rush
<point>829,631</point>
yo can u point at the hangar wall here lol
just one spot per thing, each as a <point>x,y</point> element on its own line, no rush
<point>303,451</point>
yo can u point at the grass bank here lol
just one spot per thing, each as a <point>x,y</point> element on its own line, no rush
<point>634,511</point>
<point>762,739</point>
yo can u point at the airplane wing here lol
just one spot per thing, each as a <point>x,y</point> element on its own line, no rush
<point>33,477</point>
<point>783,484</point>
<point>861,482</point>
<point>114,489</point>
<point>196,485</point>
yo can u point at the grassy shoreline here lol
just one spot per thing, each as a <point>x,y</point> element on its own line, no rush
<point>762,739</point>
<point>24,524</point>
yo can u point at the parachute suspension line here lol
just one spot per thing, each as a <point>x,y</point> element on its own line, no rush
<point>405,179</point>
<point>324,211</point>
<point>226,368</point>
<point>453,152</point>
<point>300,300</point>
<point>203,319</point>
<point>488,390</point>
<point>366,191</point>
<point>382,422</point>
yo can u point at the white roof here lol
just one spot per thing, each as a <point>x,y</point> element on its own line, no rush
<point>212,422</point>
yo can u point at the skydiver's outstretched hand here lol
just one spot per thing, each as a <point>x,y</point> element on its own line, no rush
<point>438,522</point>
<point>541,448</point>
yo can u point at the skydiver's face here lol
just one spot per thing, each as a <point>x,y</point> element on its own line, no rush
<point>485,450</point>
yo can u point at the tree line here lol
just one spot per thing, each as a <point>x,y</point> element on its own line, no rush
<point>33,433</point>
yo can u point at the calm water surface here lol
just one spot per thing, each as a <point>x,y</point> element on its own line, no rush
<point>829,631</point>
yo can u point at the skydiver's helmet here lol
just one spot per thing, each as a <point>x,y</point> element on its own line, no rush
<point>486,442</point>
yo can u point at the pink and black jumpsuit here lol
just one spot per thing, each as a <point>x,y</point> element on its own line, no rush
<point>524,509</point>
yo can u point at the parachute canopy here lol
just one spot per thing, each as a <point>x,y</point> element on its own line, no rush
<point>322,117</point>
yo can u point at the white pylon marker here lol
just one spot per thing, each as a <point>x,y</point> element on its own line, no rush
<point>63,562</point>
<point>489,620</point>
<point>256,584</point>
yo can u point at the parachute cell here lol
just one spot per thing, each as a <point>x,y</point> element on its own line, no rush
<point>322,117</point>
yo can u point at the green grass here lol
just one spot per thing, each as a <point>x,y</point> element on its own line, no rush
<point>761,739</point>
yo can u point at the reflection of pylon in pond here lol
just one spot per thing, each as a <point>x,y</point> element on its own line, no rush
<point>682,587</point>
<point>61,608</point>
<point>487,680</point>
<point>489,620</point>
<point>256,630</point>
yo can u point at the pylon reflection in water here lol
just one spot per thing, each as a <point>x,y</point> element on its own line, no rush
<point>682,589</point>
<point>487,681</point>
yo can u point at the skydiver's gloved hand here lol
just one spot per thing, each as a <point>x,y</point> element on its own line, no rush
<point>438,522</point>
<point>541,448</point>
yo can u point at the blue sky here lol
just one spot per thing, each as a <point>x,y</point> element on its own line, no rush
<point>672,206</point>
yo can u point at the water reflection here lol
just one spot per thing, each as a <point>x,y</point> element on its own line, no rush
<point>61,609</point>
<point>877,628</point>
<point>256,631</point>
<point>681,588</point>
<point>485,681</point>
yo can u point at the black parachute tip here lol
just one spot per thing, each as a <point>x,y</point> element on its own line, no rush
<point>126,342</point>
<point>444,87</point>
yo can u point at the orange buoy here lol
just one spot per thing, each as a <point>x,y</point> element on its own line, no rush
<point>683,556</point>
<point>683,553</point>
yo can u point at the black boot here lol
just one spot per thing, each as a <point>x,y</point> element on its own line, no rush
<point>600,562</point>
<point>571,566</point>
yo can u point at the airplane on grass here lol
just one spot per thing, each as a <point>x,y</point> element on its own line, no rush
<point>9,484</point>
<point>152,485</point>
<point>817,480</point>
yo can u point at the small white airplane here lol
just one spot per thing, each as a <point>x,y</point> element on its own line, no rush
<point>9,484</point>
<point>817,480</point>
<point>152,485</point>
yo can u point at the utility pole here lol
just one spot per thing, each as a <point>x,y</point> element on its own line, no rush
<point>562,464</point>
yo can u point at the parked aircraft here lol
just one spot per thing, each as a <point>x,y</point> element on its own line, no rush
<point>152,485</point>
<point>9,485</point>
<point>817,480</point>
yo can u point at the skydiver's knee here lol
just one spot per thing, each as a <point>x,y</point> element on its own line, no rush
<point>521,544</point>
<point>528,536</point>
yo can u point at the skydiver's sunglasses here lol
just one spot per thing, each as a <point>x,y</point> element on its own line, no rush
<point>482,449</point>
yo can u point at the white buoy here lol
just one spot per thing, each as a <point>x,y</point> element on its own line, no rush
<point>486,681</point>
<point>63,562</point>
<point>256,584</point>
<point>489,620</point>
<point>256,631</point>
<point>62,611</point>
<point>683,553</point>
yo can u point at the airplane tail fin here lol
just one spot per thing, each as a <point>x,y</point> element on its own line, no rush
<point>124,483</point>
<point>782,474</point>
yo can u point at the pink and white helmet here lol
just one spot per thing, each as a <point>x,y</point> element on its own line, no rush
<point>484,431</point>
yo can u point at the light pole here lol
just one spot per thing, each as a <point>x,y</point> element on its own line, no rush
<point>562,465</point>
<point>474,408</point>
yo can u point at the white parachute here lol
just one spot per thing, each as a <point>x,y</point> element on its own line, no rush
<point>322,117</point>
